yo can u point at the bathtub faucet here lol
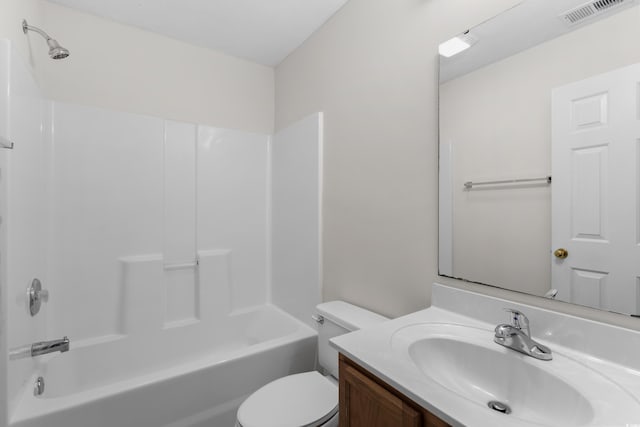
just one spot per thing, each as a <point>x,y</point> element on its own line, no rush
<point>46,347</point>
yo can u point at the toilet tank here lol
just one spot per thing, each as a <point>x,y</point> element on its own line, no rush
<point>340,318</point>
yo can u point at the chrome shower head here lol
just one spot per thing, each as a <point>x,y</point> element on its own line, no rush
<point>55,50</point>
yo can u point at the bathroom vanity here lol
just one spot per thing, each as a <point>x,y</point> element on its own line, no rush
<point>442,366</point>
<point>368,401</point>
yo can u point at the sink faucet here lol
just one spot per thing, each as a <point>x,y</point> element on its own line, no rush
<point>517,336</point>
<point>46,347</point>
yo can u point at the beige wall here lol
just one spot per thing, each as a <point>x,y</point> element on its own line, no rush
<point>503,237</point>
<point>373,70</point>
<point>123,68</point>
<point>12,12</point>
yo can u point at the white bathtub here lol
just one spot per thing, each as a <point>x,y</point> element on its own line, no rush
<point>185,376</point>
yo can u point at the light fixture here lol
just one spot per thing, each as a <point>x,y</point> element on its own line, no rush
<point>456,44</point>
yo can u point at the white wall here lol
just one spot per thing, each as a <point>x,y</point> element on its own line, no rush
<point>233,205</point>
<point>129,70</point>
<point>296,206</point>
<point>4,241</point>
<point>517,92</point>
<point>133,195</point>
<point>373,69</point>
<point>106,202</point>
<point>126,69</point>
<point>11,14</point>
<point>23,210</point>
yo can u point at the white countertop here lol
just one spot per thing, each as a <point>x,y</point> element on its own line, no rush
<point>372,348</point>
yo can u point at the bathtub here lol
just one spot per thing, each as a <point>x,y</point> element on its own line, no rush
<point>187,376</point>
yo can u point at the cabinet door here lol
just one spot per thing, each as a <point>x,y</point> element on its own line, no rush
<point>364,403</point>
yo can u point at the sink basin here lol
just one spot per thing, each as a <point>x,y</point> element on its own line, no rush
<point>465,362</point>
<point>484,375</point>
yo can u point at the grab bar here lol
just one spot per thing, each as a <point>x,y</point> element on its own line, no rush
<point>182,266</point>
<point>470,184</point>
<point>5,143</point>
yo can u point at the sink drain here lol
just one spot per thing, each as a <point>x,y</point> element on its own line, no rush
<point>503,408</point>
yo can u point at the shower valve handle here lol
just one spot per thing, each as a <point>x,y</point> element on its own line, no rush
<point>36,296</point>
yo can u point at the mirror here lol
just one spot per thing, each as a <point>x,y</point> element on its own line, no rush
<point>540,152</point>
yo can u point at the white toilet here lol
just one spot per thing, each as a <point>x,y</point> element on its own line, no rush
<point>308,399</point>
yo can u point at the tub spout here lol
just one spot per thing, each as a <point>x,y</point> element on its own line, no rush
<point>46,347</point>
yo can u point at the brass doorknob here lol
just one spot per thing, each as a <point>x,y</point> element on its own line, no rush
<point>561,253</point>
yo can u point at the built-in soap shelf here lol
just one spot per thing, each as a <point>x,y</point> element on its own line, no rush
<point>158,295</point>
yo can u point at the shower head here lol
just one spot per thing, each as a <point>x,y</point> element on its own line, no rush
<point>55,50</point>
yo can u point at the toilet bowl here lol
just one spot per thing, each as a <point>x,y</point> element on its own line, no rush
<point>309,399</point>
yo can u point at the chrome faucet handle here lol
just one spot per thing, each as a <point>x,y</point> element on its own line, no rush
<point>36,296</point>
<point>519,320</point>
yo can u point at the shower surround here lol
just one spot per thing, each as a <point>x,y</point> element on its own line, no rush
<point>174,254</point>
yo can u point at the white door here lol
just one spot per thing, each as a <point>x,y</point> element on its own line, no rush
<point>595,193</point>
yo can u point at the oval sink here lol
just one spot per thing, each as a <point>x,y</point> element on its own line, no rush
<point>484,375</point>
<point>466,362</point>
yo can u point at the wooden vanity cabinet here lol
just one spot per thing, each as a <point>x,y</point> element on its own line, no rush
<point>367,401</point>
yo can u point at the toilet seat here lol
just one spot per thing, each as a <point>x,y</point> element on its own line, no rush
<point>301,400</point>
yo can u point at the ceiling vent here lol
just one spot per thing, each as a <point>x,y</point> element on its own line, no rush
<point>591,9</point>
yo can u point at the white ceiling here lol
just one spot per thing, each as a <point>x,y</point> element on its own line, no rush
<point>263,31</point>
<point>526,25</point>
